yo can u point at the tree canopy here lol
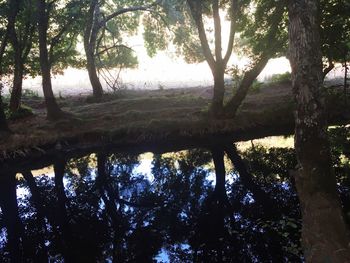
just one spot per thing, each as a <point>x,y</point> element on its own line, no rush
<point>212,204</point>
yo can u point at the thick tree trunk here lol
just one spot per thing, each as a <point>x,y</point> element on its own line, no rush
<point>324,234</point>
<point>53,110</point>
<point>219,91</point>
<point>16,94</point>
<point>94,80</point>
<point>90,36</point>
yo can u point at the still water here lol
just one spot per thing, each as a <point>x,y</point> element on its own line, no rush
<point>119,207</point>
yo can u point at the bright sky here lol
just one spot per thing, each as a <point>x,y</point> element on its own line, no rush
<point>162,70</point>
<point>166,69</point>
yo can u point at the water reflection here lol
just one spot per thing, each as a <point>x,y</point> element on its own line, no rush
<point>116,208</point>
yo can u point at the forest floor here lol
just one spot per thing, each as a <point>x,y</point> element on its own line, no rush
<point>131,117</point>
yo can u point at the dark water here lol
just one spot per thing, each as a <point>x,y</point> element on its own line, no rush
<point>118,207</point>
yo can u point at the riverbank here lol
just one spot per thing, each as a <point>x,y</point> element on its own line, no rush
<point>154,119</point>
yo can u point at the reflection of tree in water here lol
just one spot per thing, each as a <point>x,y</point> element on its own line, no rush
<point>99,208</point>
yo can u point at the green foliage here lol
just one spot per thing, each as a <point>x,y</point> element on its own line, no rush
<point>190,49</point>
<point>155,35</point>
<point>279,77</point>
<point>335,33</point>
<point>264,28</point>
<point>23,112</point>
<point>256,86</point>
<point>28,94</point>
<point>111,50</point>
<point>121,57</point>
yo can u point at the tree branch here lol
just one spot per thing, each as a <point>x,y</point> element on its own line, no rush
<point>114,46</point>
<point>234,12</point>
<point>233,104</point>
<point>328,68</point>
<point>196,11</point>
<point>217,29</point>
<point>128,9</point>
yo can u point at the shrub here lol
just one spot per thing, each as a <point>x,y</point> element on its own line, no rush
<point>22,112</point>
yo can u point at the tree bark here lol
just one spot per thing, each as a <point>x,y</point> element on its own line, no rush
<point>16,94</point>
<point>219,90</point>
<point>22,44</point>
<point>218,63</point>
<point>90,36</point>
<point>235,102</point>
<point>18,72</point>
<point>53,110</point>
<point>324,234</point>
<point>4,41</point>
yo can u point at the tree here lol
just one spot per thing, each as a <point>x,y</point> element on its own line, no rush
<point>198,46</point>
<point>335,33</point>
<point>65,16</point>
<point>325,235</point>
<point>21,38</point>
<point>4,35</point>
<point>53,110</point>
<point>97,24</point>
<point>9,206</point>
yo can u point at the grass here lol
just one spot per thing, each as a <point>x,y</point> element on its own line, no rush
<point>23,112</point>
<point>134,117</point>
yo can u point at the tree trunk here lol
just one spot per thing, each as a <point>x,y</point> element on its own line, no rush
<point>90,36</point>
<point>18,72</point>
<point>62,216</point>
<point>219,90</point>
<point>9,207</point>
<point>324,234</point>
<point>260,196</point>
<point>220,174</point>
<point>16,94</point>
<point>41,252</point>
<point>109,198</point>
<point>235,102</point>
<point>4,41</point>
<point>346,69</point>
<point>53,110</point>
<point>94,80</point>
